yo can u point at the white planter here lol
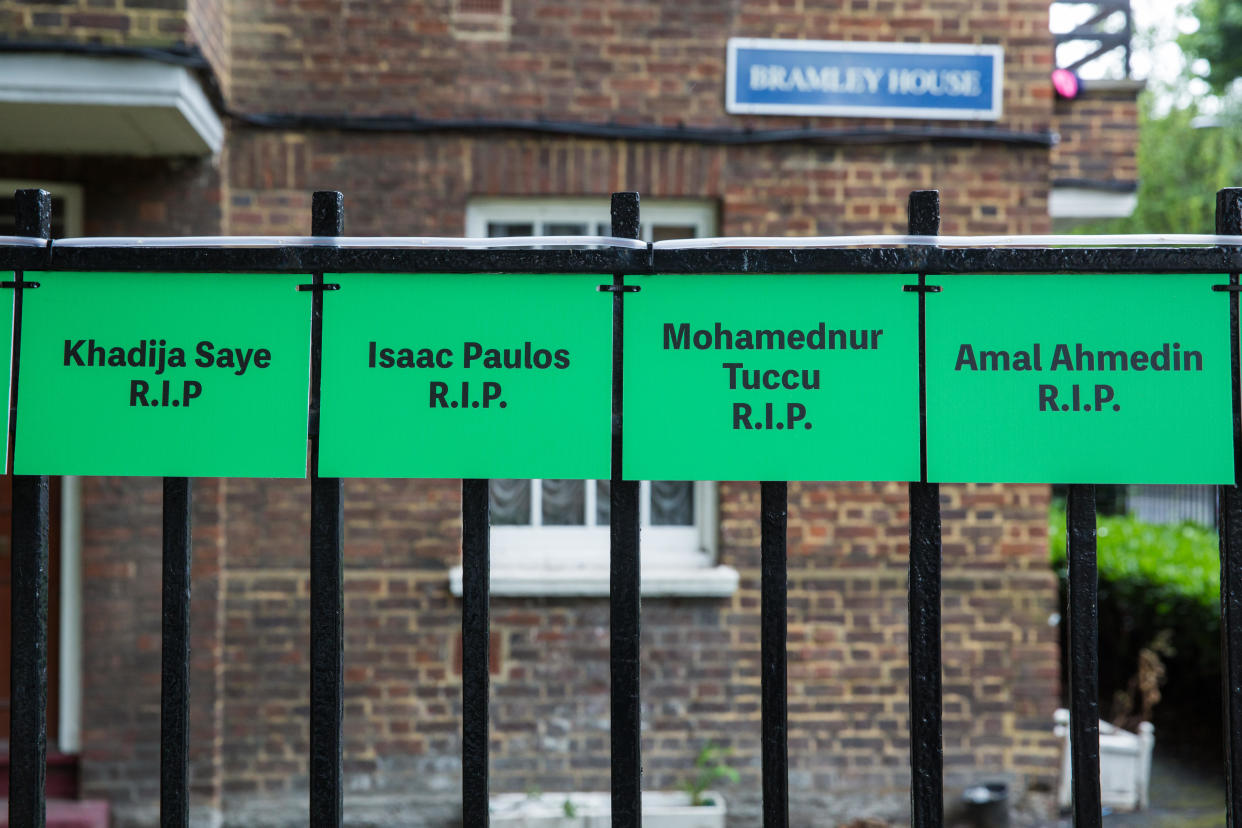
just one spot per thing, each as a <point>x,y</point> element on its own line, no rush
<point>594,810</point>
<point>1125,764</point>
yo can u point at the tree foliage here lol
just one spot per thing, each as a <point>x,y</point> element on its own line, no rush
<point>1180,168</point>
<point>1216,41</point>
<point>1159,588</point>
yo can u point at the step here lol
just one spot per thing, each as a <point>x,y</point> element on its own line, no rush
<point>62,775</point>
<point>68,813</point>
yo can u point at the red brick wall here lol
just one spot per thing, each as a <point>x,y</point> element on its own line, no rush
<point>848,674</point>
<point>121,569</point>
<point>847,668</point>
<point>132,196</point>
<point>208,24</point>
<point>1099,134</point>
<point>848,677</point>
<point>648,63</point>
<point>660,62</point>
<point>398,185</point>
<point>115,23</point>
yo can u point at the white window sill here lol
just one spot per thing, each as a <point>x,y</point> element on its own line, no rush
<point>713,582</point>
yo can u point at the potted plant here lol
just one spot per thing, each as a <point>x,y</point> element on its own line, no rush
<point>1126,743</point>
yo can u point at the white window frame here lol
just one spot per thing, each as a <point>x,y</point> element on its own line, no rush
<point>573,560</point>
<point>480,212</point>
<point>586,547</point>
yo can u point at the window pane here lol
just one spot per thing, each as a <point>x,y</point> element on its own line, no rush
<point>664,232</point>
<point>603,506</point>
<point>510,502</point>
<point>564,503</point>
<point>498,229</point>
<point>672,503</point>
<point>562,228</point>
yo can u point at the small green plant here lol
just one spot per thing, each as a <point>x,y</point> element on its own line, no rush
<point>569,808</point>
<point>709,769</point>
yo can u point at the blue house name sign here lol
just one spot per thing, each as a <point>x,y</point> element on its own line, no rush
<point>879,80</point>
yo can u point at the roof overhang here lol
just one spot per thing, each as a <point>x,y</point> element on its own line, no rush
<point>87,105</point>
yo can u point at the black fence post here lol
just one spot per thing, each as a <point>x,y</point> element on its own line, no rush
<point>625,578</point>
<point>1229,523</point>
<point>1084,657</point>
<point>926,735</point>
<point>327,686</point>
<point>774,637</point>
<point>28,573</point>
<point>175,656</point>
<point>475,644</point>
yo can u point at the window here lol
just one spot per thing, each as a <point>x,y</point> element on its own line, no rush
<point>661,219</point>
<point>563,524</point>
<point>550,537</point>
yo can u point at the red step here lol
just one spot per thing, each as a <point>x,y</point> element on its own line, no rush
<point>62,775</point>
<point>68,813</point>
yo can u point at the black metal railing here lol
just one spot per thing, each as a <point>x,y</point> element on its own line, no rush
<point>922,261</point>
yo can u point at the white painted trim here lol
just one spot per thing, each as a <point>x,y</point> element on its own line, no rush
<point>198,112</point>
<point>707,518</point>
<point>1086,203</point>
<point>993,113</point>
<point>70,725</point>
<point>83,80</point>
<point>713,582</point>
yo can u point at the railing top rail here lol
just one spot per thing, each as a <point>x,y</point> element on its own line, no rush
<point>1010,241</point>
<point>1147,253</point>
<point>723,242</point>
<point>350,242</point>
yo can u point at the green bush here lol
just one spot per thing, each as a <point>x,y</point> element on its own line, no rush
<point>1153,579</point>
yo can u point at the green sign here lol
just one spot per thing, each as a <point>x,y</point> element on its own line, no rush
<point>470,375</point>
<point>170,374</point>
<point>762,377</point>
<point>1079,379</point>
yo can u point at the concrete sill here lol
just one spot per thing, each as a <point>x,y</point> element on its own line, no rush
<point>713,582</point>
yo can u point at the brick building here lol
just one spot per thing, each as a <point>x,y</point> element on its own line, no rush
<point>452,117</point>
